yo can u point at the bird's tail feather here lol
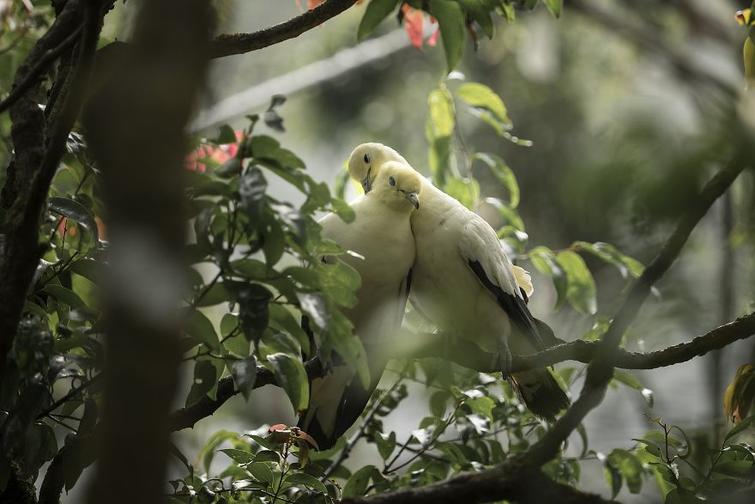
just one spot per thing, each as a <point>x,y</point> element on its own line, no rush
<point>540,392</point>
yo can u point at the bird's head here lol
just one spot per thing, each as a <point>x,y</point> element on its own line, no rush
<point>366,161</point>
<point>398,186</point>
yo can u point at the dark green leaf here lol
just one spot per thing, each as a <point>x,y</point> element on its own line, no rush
<point>307,480</point>
<point>66,296</point>
<point>199,327</point>
<point>238,456</point>
<point>376,11</point>
<point>254,315</point>
<point>205,377</point>
<point>452,29</point>
<point>356,486</point>
<point>74,210</point>
<point>290,375</point>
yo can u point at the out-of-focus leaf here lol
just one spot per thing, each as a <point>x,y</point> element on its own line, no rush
<point>629,466</point>
<point>481,96</point>
<point>740,393</point>
<point>376,11</point>
<point>291,376</point>
<point>438,130</point>
<point>555,7</point>
<point>386,443</point>
<point>503,173</point>
<point>466,190</point>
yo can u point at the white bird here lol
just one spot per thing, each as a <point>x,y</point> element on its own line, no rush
<point>382,236</point>
<point>465,284</point>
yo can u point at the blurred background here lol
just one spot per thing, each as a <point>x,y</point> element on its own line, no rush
<point>628,105</point>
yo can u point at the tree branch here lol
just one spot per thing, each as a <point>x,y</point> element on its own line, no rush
<point>35,73</point>
<point>240,43</point>
<point>472,357</point>
<point>510,481</point>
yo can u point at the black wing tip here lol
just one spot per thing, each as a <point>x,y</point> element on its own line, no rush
<point>548,399</point>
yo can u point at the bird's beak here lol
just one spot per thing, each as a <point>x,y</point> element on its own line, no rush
<point>413,199</point>
<point>366,184</point>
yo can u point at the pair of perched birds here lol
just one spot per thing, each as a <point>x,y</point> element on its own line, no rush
<point>413,241</point>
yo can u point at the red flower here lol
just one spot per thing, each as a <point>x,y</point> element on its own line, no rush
<point>413,24</point>
<point>197,160</point>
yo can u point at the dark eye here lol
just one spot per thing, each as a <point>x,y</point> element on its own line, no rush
<point>392,181</point>
<point>366,158</point>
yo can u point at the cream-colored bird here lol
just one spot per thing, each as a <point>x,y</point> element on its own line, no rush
<point>465,284</point>
<point>381,237</point>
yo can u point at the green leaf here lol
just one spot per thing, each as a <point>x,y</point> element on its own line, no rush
<point>307,480</point>
<point>554,6</point>
<point>199,327</point>
<point>452,29</point>
<point>238,456</point>
<point>244,373</point>
<point>208,451</point>
<point>66,296</point>
<point>630,468</point>
<point>438,130</point>
<point>503,173</point>
<point>376,11</point>
<point>741,426</point>
<point>264,147</point>
<point>466,190</point>
<point>314,306</point>
<point>610,254</point>
<point>386,443</point>
<point>581,291</point>
<point>88,268</point>
<point>215,295</point>
<point>261,471</point>
<point>226,135</point>
<point>343,210</point>
<point>205,377</point>
<point>290,375</point>
<point>283,320</point>
<point>339,282</point>
<point>481,96</point>
<point>356,486</point>
<point>74,210</point>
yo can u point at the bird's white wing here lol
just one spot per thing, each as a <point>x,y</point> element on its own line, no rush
<point>484,254</point>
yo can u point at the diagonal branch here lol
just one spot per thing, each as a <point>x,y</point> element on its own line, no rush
<point>240,43</point>
<point>600,370</point>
